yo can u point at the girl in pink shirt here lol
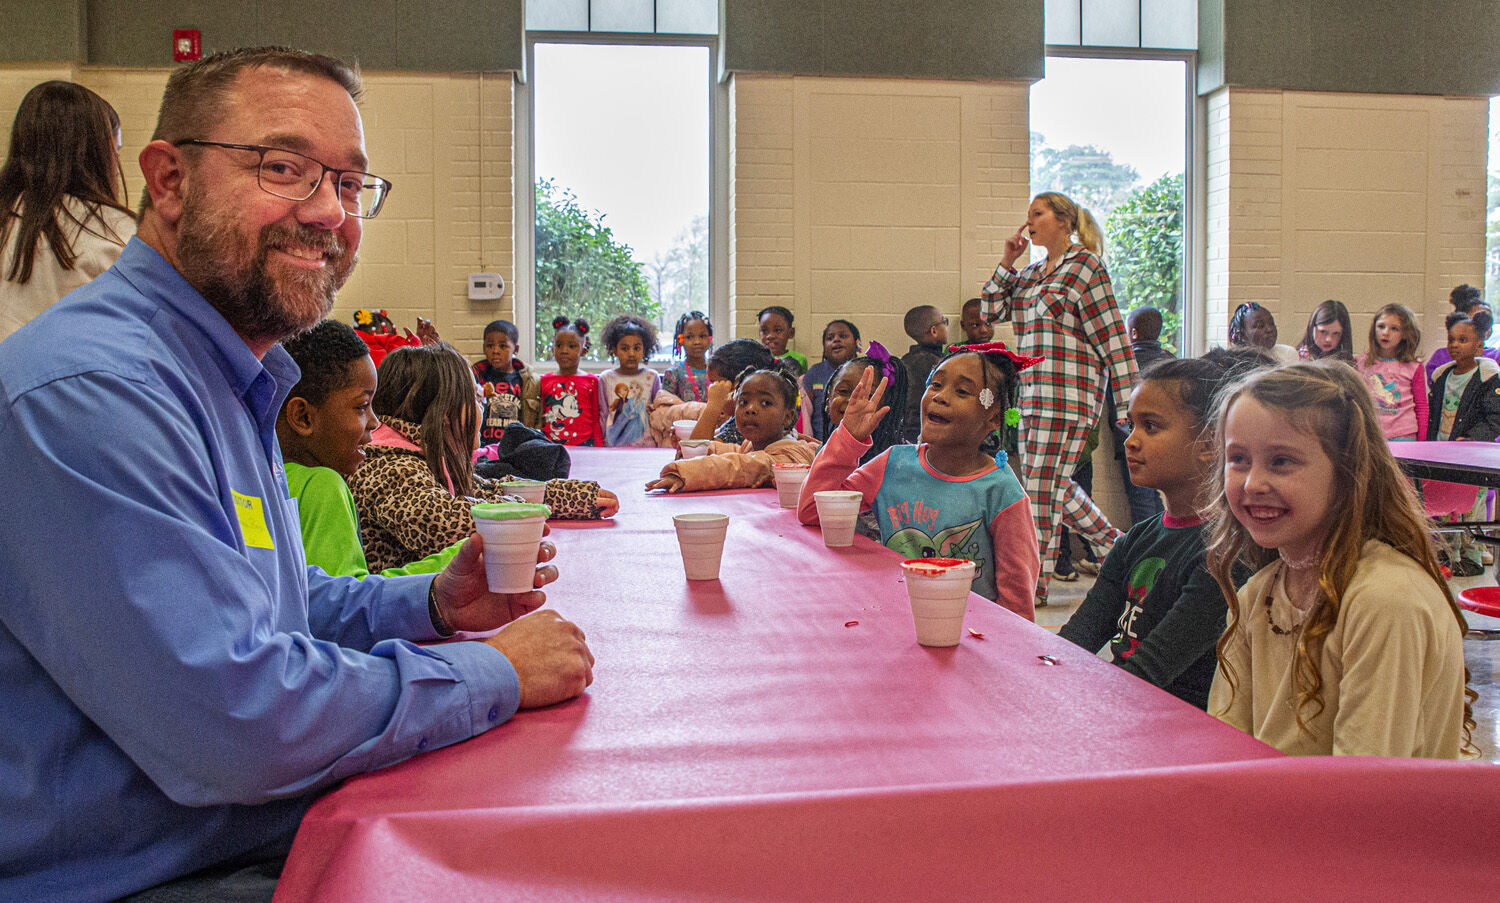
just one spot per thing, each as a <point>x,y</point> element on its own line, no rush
<point>1393,373</point>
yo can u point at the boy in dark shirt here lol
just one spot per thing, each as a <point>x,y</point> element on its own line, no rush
<point>928,328</point>
<point>511,392</point>
<point>1144,326</point>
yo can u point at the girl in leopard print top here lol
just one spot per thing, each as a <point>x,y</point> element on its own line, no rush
<point>415,486</point>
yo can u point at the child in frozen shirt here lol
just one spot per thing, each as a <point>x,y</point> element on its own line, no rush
<point>944,497</point>
<point>1154,603</point>
<point>1393,372</point>
<point>692,339</point>
<point>570,399</point>
<point>627,390</point>
<point>511,393</point>
<point>840,343</point>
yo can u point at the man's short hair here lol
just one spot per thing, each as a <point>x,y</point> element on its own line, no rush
<point>324,354</point>
<point>195,98</point>
<point>919,319</point>
<point>1146,321</point>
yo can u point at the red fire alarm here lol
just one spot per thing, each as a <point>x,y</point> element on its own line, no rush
<point>186,44</point>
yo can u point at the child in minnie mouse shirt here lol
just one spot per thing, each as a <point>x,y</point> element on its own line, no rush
<point>570,399</point>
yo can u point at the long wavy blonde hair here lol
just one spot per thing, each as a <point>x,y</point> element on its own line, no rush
<point>1328,400</point>
<point>1080,221</point>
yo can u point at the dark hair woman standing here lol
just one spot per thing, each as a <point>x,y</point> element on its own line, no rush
<point>63,213</point>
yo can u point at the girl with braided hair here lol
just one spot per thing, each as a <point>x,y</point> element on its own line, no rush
<point>765,409</point>
<point>692,338</point>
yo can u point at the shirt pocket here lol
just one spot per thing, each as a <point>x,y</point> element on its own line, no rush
<point>1052,303</point>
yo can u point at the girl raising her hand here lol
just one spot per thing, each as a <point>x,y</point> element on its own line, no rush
<point>944,497</point>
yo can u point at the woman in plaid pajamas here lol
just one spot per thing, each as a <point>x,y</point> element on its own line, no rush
<point>1064,310</point>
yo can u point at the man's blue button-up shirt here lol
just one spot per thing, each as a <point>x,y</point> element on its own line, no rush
<point>175,681</point>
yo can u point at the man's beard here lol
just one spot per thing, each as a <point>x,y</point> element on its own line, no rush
<point>216,258</point>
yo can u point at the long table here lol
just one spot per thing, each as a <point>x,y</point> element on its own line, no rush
<point>1471,463</point>
<point>778,735</point>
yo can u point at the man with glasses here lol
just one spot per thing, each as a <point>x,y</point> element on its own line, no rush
<point>178,684</point>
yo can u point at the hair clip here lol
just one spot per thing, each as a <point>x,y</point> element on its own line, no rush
<point>877,353</point>
<point>1021,361</point>
<point>987,397</point>
<point>1012,416</point>
<point>559,322</point>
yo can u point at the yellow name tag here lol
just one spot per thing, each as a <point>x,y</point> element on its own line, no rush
<point>252,521</point>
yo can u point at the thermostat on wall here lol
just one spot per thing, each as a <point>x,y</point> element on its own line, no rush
<point>486,286</point>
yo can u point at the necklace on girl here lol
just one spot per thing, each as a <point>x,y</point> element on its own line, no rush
<point>1282,570</point>
<point>693,381</point>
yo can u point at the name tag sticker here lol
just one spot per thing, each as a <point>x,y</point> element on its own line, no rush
<point>252,517</point>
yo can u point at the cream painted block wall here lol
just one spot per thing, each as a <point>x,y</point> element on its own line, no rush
<point>443,139</point>
<point>861,198</point>
<point>1370,199</point>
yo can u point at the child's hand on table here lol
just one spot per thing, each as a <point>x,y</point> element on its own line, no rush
<point>671,482</point>
<point>607,502</point>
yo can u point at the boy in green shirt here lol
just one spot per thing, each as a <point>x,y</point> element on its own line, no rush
<point>322,426</point>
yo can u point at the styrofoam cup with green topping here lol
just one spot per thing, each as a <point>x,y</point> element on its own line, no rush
<point>530,490</point>
<point>512,535</point>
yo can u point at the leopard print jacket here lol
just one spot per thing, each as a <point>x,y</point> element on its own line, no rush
<point>405,514</point>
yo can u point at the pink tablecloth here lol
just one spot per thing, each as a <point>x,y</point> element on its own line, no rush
<point>741,742</point>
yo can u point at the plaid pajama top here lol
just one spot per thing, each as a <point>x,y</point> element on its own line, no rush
<point>1069,317</point>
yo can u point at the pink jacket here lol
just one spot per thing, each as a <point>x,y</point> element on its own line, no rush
<point>727,467</point>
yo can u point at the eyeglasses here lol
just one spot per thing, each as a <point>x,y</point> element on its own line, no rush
<point>296,177</point>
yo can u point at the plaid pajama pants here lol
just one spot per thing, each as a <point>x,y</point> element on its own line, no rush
<point>1050,450</point>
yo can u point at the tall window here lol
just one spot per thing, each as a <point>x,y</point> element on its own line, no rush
<point>621,138</point>
<point>1123,155</point>
<point>622,184</point>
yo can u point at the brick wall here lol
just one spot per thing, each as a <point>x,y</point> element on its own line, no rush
<point>1370,199</point>
<point>432,135</point>
<point>861,198</point>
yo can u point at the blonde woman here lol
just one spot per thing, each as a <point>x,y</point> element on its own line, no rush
<point>1063,309</point>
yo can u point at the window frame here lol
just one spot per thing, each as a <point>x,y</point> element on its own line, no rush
<point>525,174</point>
<point>1193,339</point>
